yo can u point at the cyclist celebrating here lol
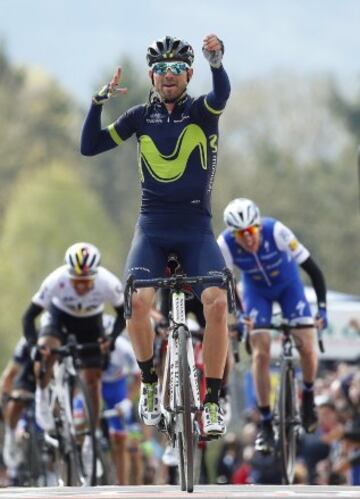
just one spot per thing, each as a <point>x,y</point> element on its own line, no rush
<point>74,294</point>
<point>177,143</point>
<point>268,255</point>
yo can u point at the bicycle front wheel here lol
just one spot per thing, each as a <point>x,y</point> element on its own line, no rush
<point>185,426</point>
<point>81,421</point>
<point>287,422</point>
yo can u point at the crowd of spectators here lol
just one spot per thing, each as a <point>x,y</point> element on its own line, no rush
<point>330,456</point>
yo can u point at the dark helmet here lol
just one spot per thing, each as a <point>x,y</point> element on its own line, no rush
<point>170,48</point>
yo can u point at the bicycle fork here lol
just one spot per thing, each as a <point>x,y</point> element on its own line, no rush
<point>171,369</point>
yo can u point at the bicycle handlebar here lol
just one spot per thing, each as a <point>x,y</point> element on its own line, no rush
<point>285,327</point>
<point>70,349</point>
<point>177,283</point>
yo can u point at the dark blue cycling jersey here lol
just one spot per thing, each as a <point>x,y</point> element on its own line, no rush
<point>177,151</point>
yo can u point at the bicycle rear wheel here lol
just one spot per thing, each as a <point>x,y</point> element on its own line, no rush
<point>81,421</point>
<point>185,435</point>
<point>287,422</point>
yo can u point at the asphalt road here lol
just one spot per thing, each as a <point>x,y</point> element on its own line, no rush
<point>171,492</point>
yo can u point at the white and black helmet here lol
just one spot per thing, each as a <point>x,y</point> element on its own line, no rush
<point>82,259</point>
<point>170,48</point>
<point>241,213</point>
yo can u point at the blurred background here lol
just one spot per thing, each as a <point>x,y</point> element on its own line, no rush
<point>289,138</point>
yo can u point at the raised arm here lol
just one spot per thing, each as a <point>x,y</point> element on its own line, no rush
<point>213,50</point>
<point>94,139</point>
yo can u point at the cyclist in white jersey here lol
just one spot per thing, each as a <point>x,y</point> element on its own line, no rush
<point>74,295</point>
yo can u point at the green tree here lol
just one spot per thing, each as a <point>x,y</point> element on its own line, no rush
<point>50,208</point>
<point>38,123</point>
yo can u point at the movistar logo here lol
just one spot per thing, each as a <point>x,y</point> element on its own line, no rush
<point>170,168</point>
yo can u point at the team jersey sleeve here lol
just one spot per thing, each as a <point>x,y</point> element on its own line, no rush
<point>126,125</point>
<point>44,295</point>
<point>215,101</point>
<point>286,241</point>
<point>226,252</point>
<point>95,139</point>
<point>113,289</point>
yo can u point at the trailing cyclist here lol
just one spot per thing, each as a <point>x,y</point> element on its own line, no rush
<point>74,295</point>
<point>120,386</point>
<point>178,143</point>
<point>268,255</point>
<point>17,385</point>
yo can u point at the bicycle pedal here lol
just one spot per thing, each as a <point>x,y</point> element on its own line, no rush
<point>162,425</point>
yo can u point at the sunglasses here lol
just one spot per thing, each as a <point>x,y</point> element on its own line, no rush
<point>251,231</point>
<point>176,68</point>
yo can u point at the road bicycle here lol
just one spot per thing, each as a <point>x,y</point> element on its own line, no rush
<point>180,395</point>
<point>287,420</point>
<point>73,441</point>
<point>286,414</point>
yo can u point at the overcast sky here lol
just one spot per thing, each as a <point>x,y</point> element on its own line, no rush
<point>78,40</point>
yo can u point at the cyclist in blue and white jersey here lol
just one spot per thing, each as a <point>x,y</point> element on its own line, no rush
<point>268,255</point>
<point>120,384</point>
<point>17,383</point>
<point>74,295</point>
<point>177,144</point>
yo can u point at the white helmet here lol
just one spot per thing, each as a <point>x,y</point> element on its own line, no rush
<point>82,259</point>
<point>241,213</point>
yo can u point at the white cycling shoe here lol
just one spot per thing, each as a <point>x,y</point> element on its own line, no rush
<point>170,456</point>
<point>149,404</point>
<point>213,420</point>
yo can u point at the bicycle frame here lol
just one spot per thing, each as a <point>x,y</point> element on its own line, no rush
<point>62,372</point>
<point>170,380</point>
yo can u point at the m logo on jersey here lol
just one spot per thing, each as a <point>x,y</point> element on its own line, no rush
<point>170,168</point>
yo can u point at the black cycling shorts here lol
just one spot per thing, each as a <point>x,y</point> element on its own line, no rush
<point>85,329</point>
